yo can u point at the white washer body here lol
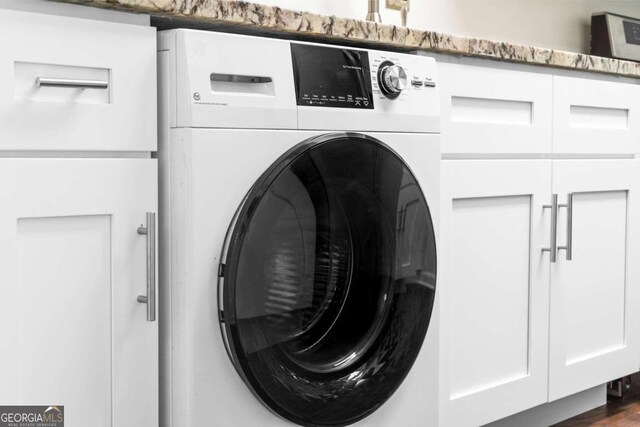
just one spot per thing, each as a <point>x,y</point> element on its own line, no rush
<point>213,148</point>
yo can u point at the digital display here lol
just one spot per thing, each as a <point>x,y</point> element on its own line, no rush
<point>331,77</point>
<point>631,32</point>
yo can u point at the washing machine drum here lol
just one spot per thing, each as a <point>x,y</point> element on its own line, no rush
<point>329,280</point>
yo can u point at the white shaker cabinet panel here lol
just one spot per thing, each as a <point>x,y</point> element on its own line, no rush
<point>72,265</point>
<point>76,84</point>
<point>488,110</point>
<point>493,289</point>
<point>592,116</point>
<point>594,290</point>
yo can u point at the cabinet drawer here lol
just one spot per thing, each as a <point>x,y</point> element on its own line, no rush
<point>593,116</point>
<point>487,110</point>
<point>76,84</point>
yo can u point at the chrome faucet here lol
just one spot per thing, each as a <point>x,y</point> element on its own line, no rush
<point>404,11</point>
<point>374,11</point>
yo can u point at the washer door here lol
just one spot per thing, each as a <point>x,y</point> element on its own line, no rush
<point>329,280</point>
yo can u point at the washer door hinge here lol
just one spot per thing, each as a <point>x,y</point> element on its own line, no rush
<point>220,270</point>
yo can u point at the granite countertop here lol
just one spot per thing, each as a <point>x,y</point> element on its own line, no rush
<point>255,18</point>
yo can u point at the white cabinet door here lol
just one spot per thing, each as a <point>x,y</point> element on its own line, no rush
<point>591,116</point>
<point>594,316</point>
<point>71,268</point>
<point>493,288</point>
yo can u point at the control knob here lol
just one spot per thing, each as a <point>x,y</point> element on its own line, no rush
<point>392,79</point>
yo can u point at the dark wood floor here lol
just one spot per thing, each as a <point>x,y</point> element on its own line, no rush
<point>614,414</point>
<point>624,412</point>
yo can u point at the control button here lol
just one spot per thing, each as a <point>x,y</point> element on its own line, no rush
<point>429,83</point>
<point>392,79</point>
<point>415,82</point>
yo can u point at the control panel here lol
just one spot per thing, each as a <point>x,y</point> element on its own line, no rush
<point>328,76</point>
<point>236,81</point>
<point>396,76</point>
<point>331,77</point>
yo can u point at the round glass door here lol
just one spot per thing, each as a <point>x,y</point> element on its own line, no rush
<point>329,280</point>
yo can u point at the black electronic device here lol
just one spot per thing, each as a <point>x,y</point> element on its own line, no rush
<point>615,36</point>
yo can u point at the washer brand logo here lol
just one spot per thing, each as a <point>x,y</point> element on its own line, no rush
<point>32,416</point>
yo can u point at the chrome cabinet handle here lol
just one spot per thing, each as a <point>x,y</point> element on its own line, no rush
<point>72,83</point>
<point>554,228</point>
<point>150,298</point>
<point>569,244</point>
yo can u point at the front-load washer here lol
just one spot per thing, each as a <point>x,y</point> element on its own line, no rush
<point>299,200</point>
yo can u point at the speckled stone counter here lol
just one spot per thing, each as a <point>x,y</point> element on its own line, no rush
<point>252,18</point>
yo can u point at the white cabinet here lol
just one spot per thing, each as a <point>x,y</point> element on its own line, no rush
<point>71,268</point>
<point>493,288</point>
<point>595,300</point>
<point>591,116</point>
<point>520,329</point>
<point>488,110</point>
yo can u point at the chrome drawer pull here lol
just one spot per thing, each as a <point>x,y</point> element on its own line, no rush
<point>150,298</point>
<point>569,244</point>
<point>71,83</point>
<point>554,228</point>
